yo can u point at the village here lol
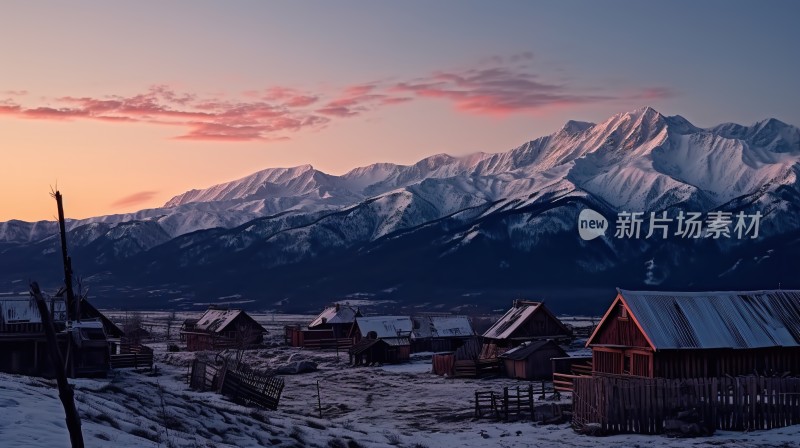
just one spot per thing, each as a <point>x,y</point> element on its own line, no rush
<point>655,363</point>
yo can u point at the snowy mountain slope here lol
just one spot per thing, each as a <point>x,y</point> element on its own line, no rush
<point>494,216</point>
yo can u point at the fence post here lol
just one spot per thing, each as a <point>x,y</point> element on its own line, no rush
<point>319,400</point>
<point>505,401</point>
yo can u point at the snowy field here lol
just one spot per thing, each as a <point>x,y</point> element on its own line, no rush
<point>402,405</point>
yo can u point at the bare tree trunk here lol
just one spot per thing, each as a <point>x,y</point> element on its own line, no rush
<point>65,392</point>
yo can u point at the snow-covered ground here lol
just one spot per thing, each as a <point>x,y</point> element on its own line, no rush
<point>402,405</point>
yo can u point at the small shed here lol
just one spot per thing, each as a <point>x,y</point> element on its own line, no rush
<point>532,360</point>
<point>223,328</point>
<point>439,333</point>
<point>699,334</point>
<point>393,331</point>
<point>525,321</point>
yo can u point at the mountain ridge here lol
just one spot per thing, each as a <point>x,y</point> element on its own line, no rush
<point>293,231</point>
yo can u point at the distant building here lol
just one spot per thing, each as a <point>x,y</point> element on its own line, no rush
<point>219,329</point>
<point>525,321</point>
<point>381,339</point>
<point>439,333</point>
<point>699,334</point>
<point>330,329</point>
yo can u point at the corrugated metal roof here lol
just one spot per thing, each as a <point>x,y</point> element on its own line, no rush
<point>385,326</point>
<point>441,327</point>
<point>24,310</point>
<point>510,321</point>
<point>736,319</point>
<point>529,348</point>
<point>335,314</point>
<point>216,320</point>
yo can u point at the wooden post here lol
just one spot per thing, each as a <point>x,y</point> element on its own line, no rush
<point>65,392</point>
<point>72,306</point>
<point>319,400</point>
<point>505,402</point>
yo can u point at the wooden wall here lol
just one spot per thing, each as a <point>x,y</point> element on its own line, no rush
<point>617,330</point>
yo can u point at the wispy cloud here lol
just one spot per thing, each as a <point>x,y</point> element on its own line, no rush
<point>510,85</point>
<point>494,86</point>
<point>134,199</point>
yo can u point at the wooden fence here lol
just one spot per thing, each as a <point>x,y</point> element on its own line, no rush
<point>132,356</point>
<point>566,369</point>
<point>511,403</point>
<point>643,405</point>
<point>241,384</point>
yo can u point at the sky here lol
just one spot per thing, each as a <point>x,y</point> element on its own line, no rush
<point>123,105</point>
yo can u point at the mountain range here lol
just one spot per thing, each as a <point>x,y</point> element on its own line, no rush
<point>449,232</point>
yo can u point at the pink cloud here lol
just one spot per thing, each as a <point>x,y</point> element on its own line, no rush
<point>203,118</point>
<point>495,90</point>
<point>134,199</point>
<point>495,86</point>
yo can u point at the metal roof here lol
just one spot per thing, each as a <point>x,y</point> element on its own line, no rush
<point>441,327</point>
<point>529,348</point>
<point>385,326</point>
<point>217,320</point>
<point>513,319</point>
<point>335,314</point>
<point>735,319</point>
<point>24,310</point>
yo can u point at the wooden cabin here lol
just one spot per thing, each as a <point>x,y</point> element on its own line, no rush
<point>85,344</point>
<point>222,328</point>
<point>439,333</point>
<point>532,360</point>
<point>699,334</point>
<point>525,321</point>
<point>330,329</point>
<point>393,332</point>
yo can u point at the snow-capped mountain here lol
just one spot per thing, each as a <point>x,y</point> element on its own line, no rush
<point>380,228</point>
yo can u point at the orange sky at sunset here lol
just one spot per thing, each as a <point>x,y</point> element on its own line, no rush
<point>126,105</point>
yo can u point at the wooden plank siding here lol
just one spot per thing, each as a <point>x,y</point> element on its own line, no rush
<point>642,405</point>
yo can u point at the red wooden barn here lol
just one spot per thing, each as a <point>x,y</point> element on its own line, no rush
<point>699,334</point>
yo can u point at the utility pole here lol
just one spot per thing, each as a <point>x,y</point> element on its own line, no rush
<point>73,308</point>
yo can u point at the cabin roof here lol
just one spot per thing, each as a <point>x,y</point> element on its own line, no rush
<point>709,320</point>
<point>336,314</point>
<point>516,317</point>
<point>385,326</point>
<point>442,327</point>
<point>24,310</point>
<point>529,348</point>
<point>214,320</point>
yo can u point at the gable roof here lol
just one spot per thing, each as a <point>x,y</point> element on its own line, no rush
<point>442,327</point>
<point>529,348</point>
<point>516,317</point>
<point>214,320</point>
<point>335,314</point>
<point>385,326</point>
<point>708,320</point>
